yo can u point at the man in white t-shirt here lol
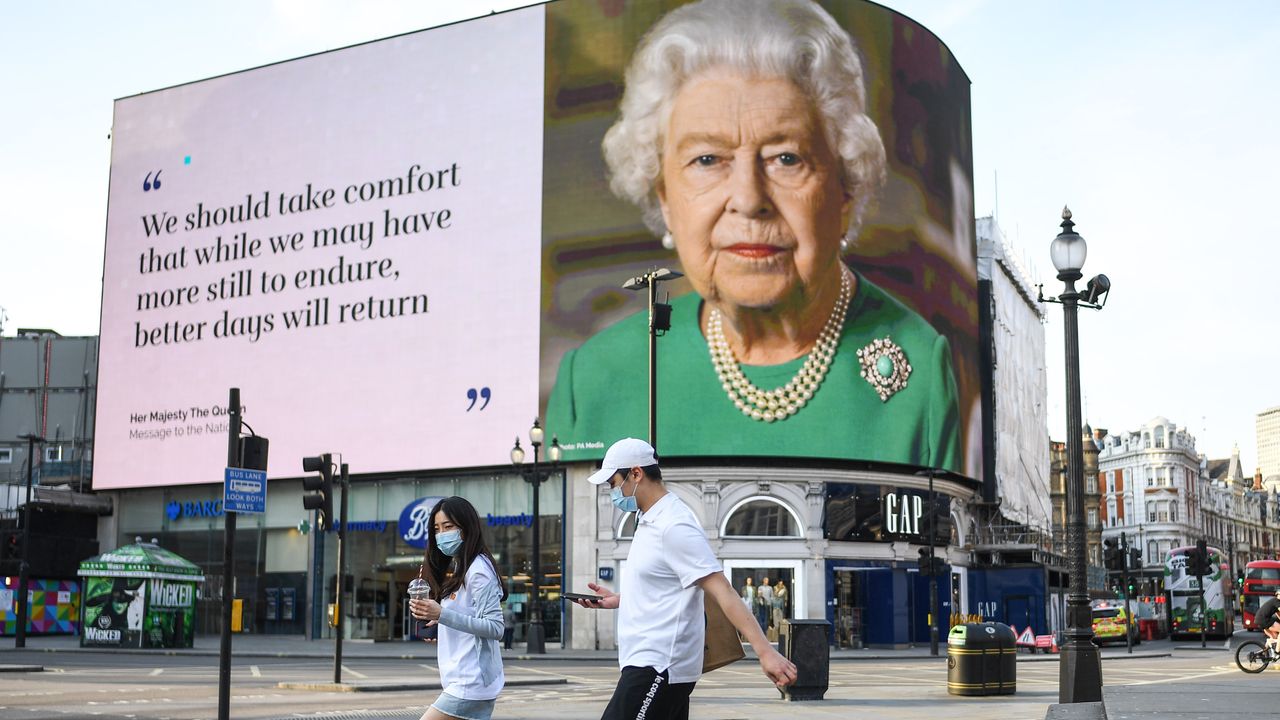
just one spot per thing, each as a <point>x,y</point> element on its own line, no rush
<point>669,567</point>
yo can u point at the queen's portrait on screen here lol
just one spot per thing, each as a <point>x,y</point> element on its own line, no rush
<point>743,139</point>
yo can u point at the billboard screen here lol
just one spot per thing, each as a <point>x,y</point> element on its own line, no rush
<point>405,250</point>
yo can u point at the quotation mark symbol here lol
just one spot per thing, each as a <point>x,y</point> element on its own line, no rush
<point>148,184</point>
<point>484,393</point>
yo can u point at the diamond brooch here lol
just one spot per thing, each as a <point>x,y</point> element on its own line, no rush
<point>885,366</point>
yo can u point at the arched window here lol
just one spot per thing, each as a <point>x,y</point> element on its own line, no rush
<point>1173,512</point>
<point>761,517</point>
<point>1160,436</point>
<point>1146,440</point>
<point>627,528</point>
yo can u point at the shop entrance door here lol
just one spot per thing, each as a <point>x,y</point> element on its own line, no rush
<point>920,607</point>
<point>848,610</point>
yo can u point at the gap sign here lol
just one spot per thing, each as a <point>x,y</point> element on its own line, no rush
<point>245,491</point>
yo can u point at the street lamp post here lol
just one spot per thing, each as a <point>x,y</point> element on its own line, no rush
<point>536,635</point>
<point>659,323</point>
<point>24,612</point>
<point>1080,669</point>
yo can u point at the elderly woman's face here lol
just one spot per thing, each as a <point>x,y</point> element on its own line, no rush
<point>751,191</point>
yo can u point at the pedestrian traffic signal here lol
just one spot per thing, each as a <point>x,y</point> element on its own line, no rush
<point>1132,585</point>
<point>319,489</point>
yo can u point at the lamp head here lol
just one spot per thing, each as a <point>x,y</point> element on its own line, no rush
<point>535,433</point>
<point>555,452</point>
<point>1068,250</point>
<point>1098,287</point>
<point>517,454</point>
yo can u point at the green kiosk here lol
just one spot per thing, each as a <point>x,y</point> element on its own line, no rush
<point>139,595</point>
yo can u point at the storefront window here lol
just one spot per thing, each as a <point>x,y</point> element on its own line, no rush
<point>275,552</point>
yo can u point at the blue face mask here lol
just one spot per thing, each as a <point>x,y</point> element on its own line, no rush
<point>625,503</point>
<point>449,542</point>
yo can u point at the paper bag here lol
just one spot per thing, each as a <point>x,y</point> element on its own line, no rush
<point>721,645</point>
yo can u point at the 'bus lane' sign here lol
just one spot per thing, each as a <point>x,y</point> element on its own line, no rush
<point>244,491</point>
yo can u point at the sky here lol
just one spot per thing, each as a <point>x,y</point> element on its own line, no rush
<point>1153,120</point>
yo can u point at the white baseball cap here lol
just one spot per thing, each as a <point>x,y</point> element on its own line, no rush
<point>624,455</point>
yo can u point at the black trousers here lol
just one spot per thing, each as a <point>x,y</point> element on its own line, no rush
<point>643,693</point>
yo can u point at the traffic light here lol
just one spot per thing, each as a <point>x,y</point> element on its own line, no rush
<point>319,489</point>
<point>1198,560</point>
<point>1111,557</point>
<point>930,565</point>
<point>1135,558</point>
<point>12,549</point>
<point>1131,584</point>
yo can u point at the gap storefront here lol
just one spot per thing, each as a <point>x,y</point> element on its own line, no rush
<point>844,544</point>
<point>277,553</point>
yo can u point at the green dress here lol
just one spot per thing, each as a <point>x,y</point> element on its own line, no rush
<point>601,394</point>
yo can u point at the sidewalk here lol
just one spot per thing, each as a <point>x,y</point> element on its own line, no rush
<point>249,646</point>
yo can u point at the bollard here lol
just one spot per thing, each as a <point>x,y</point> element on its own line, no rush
<point>804,642</point>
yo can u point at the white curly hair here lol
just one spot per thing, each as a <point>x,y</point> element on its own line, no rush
<point>795,39</point>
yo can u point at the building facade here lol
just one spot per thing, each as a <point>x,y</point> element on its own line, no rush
<point>1018,465</point>
<point>1240,514</point>
<point>1267,425</point>
<point>47,389</point>
<point>286,572</point>
<point>1150,481</point>
<point>47,396</point>
<point>1161,494</point>
<point>844,542</point>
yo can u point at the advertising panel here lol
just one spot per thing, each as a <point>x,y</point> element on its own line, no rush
<point>350,238</point>
<point>677,152</point>
<point>407,249</point>
<point>139,595</point>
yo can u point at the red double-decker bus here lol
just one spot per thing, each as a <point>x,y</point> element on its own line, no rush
<point>1261,580</point>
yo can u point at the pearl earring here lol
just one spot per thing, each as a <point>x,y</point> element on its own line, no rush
<point>844,243</point>
<point>668,242</point>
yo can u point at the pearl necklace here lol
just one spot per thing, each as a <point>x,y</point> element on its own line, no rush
<point>780,403</point>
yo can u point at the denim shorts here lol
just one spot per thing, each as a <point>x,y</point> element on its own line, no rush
<point>464,709</point>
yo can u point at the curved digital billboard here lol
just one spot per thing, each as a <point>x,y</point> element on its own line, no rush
<point>407,249</point>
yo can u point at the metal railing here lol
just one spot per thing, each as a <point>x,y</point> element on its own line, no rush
<point>1012,534</point>
<point>76,473</point>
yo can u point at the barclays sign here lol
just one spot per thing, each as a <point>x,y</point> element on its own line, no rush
<point>194,509</point>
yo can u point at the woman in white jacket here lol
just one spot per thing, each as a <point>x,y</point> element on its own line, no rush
<point>468,607</point>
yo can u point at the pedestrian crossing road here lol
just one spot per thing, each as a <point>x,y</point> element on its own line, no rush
<point>180,688</point>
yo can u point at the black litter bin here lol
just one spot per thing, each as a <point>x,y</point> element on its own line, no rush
<point>982,659</point>
<point>804,642</point>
